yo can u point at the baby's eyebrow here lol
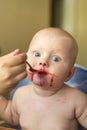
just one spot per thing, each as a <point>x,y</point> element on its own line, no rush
<point>34,50</point>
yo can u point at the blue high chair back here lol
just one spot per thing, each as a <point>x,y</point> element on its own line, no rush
<point>78,81</point>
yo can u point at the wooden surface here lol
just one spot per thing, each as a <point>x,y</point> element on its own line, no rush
<point>4,128</point>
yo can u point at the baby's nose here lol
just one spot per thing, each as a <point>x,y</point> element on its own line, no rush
<point>43,64</point>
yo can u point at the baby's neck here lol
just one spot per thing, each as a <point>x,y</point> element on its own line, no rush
<point>41,91</point>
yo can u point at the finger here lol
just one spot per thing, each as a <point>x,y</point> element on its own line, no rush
<point>14,60</point>
<point>16,52</point>
<point>18,59</point>
<point>20,77</point>
<point>18,69</point>
<point>14,81</point>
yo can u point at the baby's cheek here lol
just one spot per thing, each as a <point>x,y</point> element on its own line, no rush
<point>29,75</point>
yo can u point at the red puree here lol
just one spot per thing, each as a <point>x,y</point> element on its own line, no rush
<point>43,73</point>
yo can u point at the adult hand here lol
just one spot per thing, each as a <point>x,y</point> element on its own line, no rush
<point>12,70</point>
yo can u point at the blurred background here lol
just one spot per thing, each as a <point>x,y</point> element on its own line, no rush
<point>21,19</point>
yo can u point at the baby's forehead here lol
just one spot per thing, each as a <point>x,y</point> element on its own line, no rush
<point>51,34</point>
<point>57,44</point>
<point>51,40</point>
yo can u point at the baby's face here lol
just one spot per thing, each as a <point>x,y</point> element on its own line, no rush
<point>51,56</point>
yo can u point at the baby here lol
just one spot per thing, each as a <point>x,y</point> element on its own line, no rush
<point>48,103</point>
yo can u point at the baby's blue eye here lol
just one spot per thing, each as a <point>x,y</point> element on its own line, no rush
<point>36,54</point>
<point>56,59</point>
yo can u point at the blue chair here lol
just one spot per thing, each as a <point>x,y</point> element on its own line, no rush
<point>78,81</point>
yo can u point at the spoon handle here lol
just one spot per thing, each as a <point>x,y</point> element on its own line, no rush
<point>31,69</point>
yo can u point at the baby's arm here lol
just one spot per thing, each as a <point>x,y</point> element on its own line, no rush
<point>81,109</point>
<point>6,111</point>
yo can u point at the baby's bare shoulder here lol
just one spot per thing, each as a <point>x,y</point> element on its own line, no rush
<point>75,93</point>
<point>22,92</point>
<point>21,95</point>
<point>23,88</point>
<point>78,98</point>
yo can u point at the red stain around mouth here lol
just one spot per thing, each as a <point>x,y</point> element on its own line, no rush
<point>41,73</point>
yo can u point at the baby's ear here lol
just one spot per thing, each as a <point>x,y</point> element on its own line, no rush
<point>70,74</point>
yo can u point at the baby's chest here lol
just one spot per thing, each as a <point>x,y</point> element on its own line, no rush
<point>44,115</point>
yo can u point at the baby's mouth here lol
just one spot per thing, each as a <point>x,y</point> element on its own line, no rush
<point>42,73</point>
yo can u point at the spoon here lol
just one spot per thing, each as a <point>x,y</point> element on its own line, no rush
<point>31,69</point>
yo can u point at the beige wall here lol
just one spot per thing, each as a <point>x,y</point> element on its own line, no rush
<point>81,31</point>
<point>68,15</point>
<point>19,20</point>
<point>75,21</point>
